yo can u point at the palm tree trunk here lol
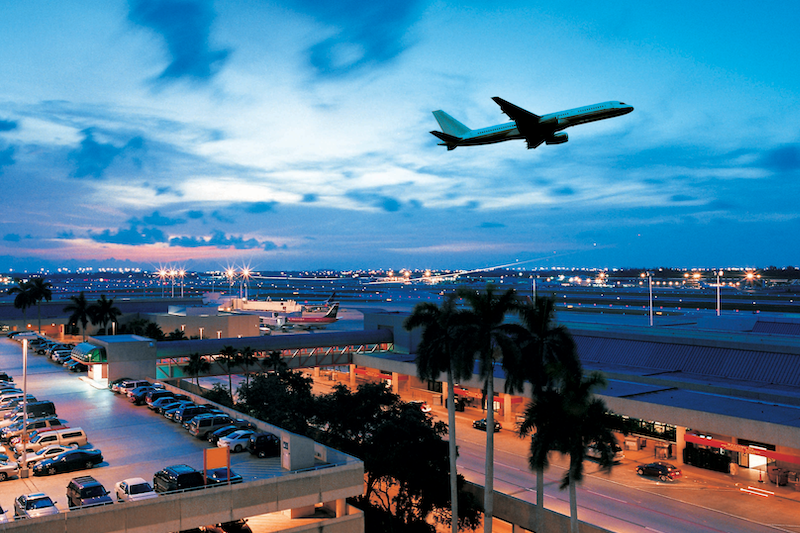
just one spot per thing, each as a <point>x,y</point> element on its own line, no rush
<point>488,494</point>
<point>39,315</point>
<point>540,499</point>
<point>451,422</point>
<point>573,506</point>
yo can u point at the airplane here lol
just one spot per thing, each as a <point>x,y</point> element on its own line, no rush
<point>533,128</point>
<point>313,319</point>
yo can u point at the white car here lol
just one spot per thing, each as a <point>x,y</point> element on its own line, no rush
<point>8,469</point>
<point>47,452</point>
<point>236,441</point>
<point>134,489</point>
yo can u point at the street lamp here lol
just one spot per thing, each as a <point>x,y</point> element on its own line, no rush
<point>649,277</point>
<point>172,274</point>
<point>181,273</point>
<point>246,272</point>
<point>230,274</point>
<point>719,274</point>
<point>162,274</point>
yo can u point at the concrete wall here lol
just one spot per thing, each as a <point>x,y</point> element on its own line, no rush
<point>521,513</point>
<point>174,512</point>
<point>230,325</point>
<point>404,341</point>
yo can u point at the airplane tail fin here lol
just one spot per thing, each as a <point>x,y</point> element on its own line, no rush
<point>334,310</point>
<point>450,141</point>
<point>450,125</point>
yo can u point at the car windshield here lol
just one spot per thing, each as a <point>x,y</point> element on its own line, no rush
<point>40,503</point>
<point>140,488</point>
<point>94,492</point>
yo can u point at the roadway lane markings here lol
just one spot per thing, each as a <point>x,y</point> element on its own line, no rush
<point>605,496</point>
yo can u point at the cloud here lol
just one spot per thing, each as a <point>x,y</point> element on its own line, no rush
<point>6,157</point>
<point>132,236</point>
<point>157,220</point>
<point>260,207</point>
<point>66,235</point>
<point>185,26</point>
<point>93,157</point>
<point>492,225</point>
<point>8,125</point>
<point>12,237</point>
<point>222,218</point>
<point>194,214</point>
<point>369,33</point>
<point>682,198</point>
<point>386,203</point>
<point>783,159</point>
<point>309,198</point>
<point>218,239</point>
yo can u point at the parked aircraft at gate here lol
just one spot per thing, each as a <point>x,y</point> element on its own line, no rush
<point>533,128</point>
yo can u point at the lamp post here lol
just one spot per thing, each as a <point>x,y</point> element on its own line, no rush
<point>181,273</point>
<point>23,468</point>
<point>649,276</point>
<point>161,275</point>
<point>246,279</point>
<point>719,274</point>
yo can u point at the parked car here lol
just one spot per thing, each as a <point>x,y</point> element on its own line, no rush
<point>184,414</point>
<point>68,461</point>
<point>34,505</point>
<point>134,489</point>
<point>11,404</point>
<point>86,491</point>
<point>214,436</point>
<point>137,395</point>
<point>594,453</point>
<point>219,476</point>
<point>115,384</point>
<point>236,441</point>
<point>127,386</point>
<point>264,444</point>
<point>201,426</point>
<point>661,470</point>
<point>423,406</point>
<point>77,366</point>
<point>169,414</point>
<point>177,477</point>
<point>155,394</point>
<point>481,424</point>
<point>30,459</point>
<point>237,526</point>
<point>40,424</point>
<point>165,404</point>
<point>5,377</point>
<point>68,436</point>
<point>8,469</point>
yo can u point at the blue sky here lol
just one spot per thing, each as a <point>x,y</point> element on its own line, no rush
<point>294,134</point>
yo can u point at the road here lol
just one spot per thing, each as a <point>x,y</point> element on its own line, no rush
<point>702,501</point>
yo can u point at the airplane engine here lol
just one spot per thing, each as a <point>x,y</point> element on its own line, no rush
<point>557,138</point>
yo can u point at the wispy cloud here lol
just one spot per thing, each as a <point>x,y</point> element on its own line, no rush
<point>367,33</point>
<point>131,236</point>
<point>219,239</point>
<point>8,125</point>
<point>92,158</point>
<point>185,26</point>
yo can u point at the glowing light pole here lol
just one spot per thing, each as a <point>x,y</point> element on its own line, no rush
<point>246,272</point>
<point>181,273</point>
<point>230,274</point>
<point>162,274</point>
<point>172,274</point>
<point>649,276</point>
<point>719,274</point>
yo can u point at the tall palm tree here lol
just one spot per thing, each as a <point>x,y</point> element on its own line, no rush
<point>274,361</point>
<point>230,359</point>
<point>247,358</point>
<point>79,309</point>
<point>23,298</point>
<point>491,339</point>
<point>40,289</point>
<point>547,356</point>
<point>197,365</point>
<point>440,350</point>
<point>568,419</point>
<point>104,311</point>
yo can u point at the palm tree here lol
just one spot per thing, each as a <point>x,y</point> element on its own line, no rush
<point>230,359</point>
<point>547,356</point>
<point>40,290</point>
<point>23,298</point>
<point>440,350</point>
<point>274,361</point>
<point>79,309</point>
<point>491,339</point>
<point>247,358</point>
<point>104,311</point>
<point>567,419</point>
<point>197,365</point>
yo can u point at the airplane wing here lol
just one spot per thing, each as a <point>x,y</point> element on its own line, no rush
<point>527,122</point>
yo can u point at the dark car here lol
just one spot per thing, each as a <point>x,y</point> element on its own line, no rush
<point>114,385</point>
<point>155,394</point>
<point>237,526</point>
<point>481,424</point>
<point>224,431</point>
<point>219,476</point>
<point>162,404</point>
<point>138,395</point>
<point>264,445</point>
<point>184,414</point>
<point>86,491</point>
<point>68,461</point>
<point>661,470</point>
<point>178,477</point>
